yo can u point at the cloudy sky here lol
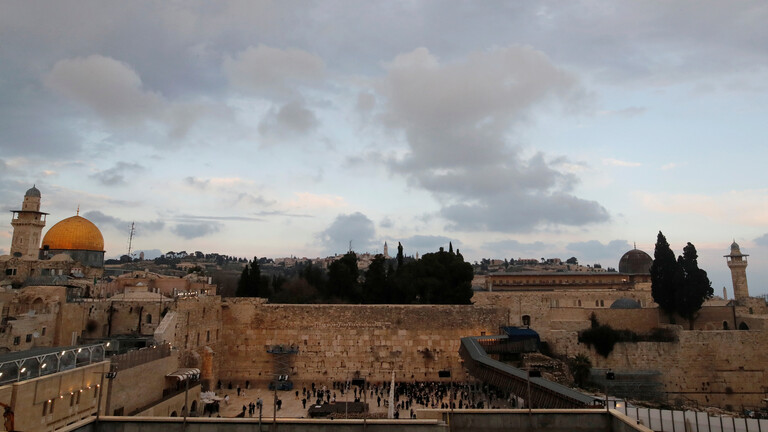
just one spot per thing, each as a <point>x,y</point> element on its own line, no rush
<point>514,129</point>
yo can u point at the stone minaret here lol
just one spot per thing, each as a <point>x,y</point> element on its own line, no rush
<point>27,225</point>
<point>386,250</point>
<point>737,262</point>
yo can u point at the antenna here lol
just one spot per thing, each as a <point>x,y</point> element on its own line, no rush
<point>130,238</point>
<point>350,246</point>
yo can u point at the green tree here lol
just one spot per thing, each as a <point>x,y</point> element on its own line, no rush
<point>250,280</point>
<point>580,368</point>
<point>343,282</point>
<point>376,288</point>
<point>666,276</point>
<point>695,287</point>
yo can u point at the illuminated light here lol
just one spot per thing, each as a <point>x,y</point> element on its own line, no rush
<point>81,390</point>
<point>1,374</point>
<point>23,370</point>
<point>61,396</point>
<point>63,352</point>
<point>43,365</point>
<point>79,350</point>
<point>108,343</point>
<point>98,385</point>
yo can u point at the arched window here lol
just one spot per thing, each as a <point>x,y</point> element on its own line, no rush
<point>725,325</point>
<point>526,320</point>
<point>579,302</point>
<point>743,326</point>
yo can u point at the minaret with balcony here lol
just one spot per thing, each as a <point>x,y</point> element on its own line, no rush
<point>28,226</point>
<point>737,262</point>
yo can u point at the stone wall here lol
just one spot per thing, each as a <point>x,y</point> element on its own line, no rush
<point>55,400</point>
<point>716,368</point>
<point>127,395</point>
<point>339,342</point>
<point>546,310</point>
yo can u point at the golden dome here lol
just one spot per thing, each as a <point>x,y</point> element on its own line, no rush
<point>74,233</point>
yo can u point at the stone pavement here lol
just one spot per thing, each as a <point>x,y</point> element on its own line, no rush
<point>291,408</point>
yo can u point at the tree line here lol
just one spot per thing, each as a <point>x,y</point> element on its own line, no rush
<point>441,277</point>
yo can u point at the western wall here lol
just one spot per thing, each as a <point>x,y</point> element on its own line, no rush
<point>339,342</point>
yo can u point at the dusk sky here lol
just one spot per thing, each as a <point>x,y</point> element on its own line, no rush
<point>513,129</point>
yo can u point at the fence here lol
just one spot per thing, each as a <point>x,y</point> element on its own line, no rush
<point>689,421</point>
<point>140,356</point>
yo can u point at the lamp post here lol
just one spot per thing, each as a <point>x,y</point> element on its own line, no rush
<point>110,375</point>
<point>609,376</point>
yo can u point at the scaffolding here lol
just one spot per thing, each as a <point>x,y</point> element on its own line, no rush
<point>282,365</point>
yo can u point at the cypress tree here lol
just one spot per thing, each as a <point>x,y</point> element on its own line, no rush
<point>665,276</point>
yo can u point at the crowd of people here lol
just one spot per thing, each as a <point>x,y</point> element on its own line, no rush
<point>407,396</point>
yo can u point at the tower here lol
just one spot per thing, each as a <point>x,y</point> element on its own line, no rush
<point>737,262</point>
<point>27,225</point>
<point>386,250</point>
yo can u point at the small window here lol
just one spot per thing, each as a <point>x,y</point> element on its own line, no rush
<point>72,399</point>
<point>45,407</point>
<point>52,405</point>
<point>208,336</point>
<point>77,401</point>
<point>602,303</point>
<point>149,319</point>
<point>29,338</point>
<point>725,325</point>
<point>16,340</point>
<point>42,332</point>
<point>526,320</point>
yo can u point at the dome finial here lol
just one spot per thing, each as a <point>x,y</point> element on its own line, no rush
<point>78,210</point>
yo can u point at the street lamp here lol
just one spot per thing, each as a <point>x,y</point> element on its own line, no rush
<point>609,376</point>
<point>194,376</point>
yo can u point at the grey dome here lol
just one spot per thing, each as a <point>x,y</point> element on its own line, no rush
<point>625,303</point>
<point>635,262</point>
<point>32,192</point>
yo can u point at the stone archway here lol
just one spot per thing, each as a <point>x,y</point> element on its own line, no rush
<point>743,326</point>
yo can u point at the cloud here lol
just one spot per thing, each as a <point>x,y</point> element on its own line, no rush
<point>762,240</point>
<point>115,93</point>
<point>355,227</point>
<point>273,72</point>
<point>315,201</point>
<point>142,227</point>
<point>195,230</point>
<point>110,88</point>
<point>115,176</point>
<point>386,222</point>
<point>595,251</point>
<point>456,118</point>
<point>746,207</point>
<point>671,165</point>
<point>290,119</point>
<point>625,112</point>
<point>620,163</point>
